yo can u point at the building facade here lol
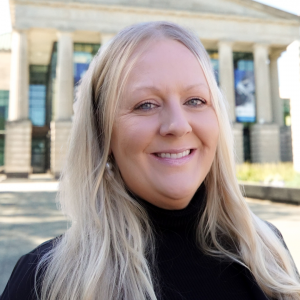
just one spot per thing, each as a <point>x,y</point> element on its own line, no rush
<point>53,42</point>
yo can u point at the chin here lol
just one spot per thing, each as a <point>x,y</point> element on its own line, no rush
<point>180,188</point>
<point>180,196</point>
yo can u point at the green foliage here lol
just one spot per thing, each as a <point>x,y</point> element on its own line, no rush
<point>278,174</point>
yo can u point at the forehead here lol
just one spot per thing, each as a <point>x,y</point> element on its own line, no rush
<point>164,61</point>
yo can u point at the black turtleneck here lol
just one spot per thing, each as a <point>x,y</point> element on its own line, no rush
<point>182,271</point>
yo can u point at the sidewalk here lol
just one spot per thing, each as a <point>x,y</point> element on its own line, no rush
<point>28,217</point>
<point>286,217</point>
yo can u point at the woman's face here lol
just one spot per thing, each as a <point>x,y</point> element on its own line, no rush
<point>166,131</point>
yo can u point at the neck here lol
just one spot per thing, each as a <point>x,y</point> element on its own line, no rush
<point>178,220</point>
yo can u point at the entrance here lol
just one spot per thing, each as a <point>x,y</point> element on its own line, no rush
<point>247,142</point>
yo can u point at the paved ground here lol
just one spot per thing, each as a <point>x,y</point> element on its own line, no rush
<point>286,218</point>
<point>28,217</point>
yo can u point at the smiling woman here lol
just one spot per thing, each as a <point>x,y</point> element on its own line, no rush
<point>150,188</point>
<point>166,131</point>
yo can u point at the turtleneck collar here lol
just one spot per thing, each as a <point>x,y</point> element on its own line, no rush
<point>176,220</point>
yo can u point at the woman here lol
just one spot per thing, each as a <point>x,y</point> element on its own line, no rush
<point>150,187</point>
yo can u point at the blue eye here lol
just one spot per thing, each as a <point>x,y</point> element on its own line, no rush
<point>146,106</point>
<point>195,102</point>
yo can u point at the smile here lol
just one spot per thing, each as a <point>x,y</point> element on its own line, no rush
<point>174,155</point>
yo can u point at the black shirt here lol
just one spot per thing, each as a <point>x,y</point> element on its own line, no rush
<point>182,270</point>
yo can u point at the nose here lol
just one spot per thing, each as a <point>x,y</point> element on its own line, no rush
<point>175,121</point>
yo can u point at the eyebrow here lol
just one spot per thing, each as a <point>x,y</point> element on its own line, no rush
<point>154,88</point>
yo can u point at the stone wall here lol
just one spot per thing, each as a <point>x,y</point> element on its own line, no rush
<point>286,151</point>
<point>265,143</point>
<point>18,148</point>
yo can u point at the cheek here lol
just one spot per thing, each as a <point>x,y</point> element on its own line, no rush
<point>207,129</point>
<point>130,137</point>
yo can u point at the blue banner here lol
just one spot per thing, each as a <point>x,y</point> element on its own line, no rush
<point>244,95</point>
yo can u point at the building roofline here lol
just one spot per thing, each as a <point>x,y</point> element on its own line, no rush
<point>268,9</point>
<point>283,17</point>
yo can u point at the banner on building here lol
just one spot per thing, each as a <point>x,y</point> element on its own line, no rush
<point>244,94</point>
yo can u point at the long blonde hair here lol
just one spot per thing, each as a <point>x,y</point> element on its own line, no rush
<point>103,254</point>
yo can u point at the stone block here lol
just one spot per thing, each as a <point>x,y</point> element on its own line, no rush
<point>237,129</point>
<point>281,194</point>
<point>18,148</point>
<point>60,134</point>
<point>265,146</point>
<point>286,151</point>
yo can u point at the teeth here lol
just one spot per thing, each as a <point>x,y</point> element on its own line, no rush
<point>174,155</point>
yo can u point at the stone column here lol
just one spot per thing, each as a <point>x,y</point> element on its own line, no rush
<point>61,125</point>
<point>277,103</point>
<point>295,126</point>
<point>294,67</point>
<point>104,40</point>
<point>285,143</point>
<point>106,37</point>
<point>64,77</point>
<point>262,83</point>
<point>18,128</point>
<point>226,77</point>
<point>265,134</point>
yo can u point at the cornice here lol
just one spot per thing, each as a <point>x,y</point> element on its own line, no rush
<point>152,11</point>
<point>267,9</point>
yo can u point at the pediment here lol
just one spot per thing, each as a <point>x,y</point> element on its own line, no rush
<point>239,8</point>
<point>242,8</point>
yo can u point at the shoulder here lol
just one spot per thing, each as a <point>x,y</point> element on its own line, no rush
<point>280,237</point>
<point>21,282</point>
<point>274,228</point>
<point>277,232</point>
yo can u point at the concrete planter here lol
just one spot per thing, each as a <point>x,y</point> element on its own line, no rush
<point>265,192</point>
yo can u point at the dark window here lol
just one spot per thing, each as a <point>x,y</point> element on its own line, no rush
<point>247,142</point>
<point>38,154</point>
<point>214,59</point>
<point>37,95</point>
<point>83,55</point>
<point>4,100</point>
<point>286,112</point>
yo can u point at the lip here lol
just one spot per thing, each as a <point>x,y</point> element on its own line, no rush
<point>174,151</point>
<point>174,161</point>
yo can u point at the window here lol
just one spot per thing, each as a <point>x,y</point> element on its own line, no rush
<point>4,100</point>
<point>214,59</point>
<point>37,95</point>
<point>83,55</point>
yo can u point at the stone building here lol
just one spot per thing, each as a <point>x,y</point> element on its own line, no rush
<point>53,42</point>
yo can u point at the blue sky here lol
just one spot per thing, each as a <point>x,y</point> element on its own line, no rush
<point>292,6</point>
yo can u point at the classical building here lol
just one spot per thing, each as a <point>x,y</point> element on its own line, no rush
<point>53,42</point>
